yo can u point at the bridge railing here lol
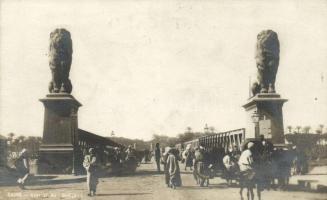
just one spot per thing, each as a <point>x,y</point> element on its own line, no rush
<point>224,139</point>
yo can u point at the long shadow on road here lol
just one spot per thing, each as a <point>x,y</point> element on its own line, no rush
<point>211,186</point>
<point>48,188</point>
<point>121,194</point>
<point>43,180</point>
<point>141,173</point>
<point>58,181</point>
<point>183,172</point>
<point>297,188</point>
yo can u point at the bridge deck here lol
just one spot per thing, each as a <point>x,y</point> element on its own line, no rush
<point>146,184</point>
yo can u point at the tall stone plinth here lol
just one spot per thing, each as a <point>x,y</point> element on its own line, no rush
<point>268,107</point>
<point>57,152</point>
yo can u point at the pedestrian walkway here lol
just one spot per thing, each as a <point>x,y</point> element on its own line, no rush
<point>145,184</point>
<point>316,179</point>
<point>9,178</point>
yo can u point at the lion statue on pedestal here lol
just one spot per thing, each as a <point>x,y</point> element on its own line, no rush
<point>60,60</point>
<point>267,60</point>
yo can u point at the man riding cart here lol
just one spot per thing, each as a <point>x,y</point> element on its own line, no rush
<point>270,162</point>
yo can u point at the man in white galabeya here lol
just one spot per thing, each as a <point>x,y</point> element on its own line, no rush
<point>246,160</point>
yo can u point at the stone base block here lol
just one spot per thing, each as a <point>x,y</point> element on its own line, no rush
<point>268,107</point>
<point>56,159</point>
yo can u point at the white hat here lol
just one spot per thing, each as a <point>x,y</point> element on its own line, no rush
<point>167,149</point>
<point>250,145</point>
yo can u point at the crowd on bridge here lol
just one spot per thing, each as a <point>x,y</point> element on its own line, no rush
<point>256,164</point>
<point>121,160</point>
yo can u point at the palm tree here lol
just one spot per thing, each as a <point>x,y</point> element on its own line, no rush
<point>298,129</point>
<point>21,138</point>
<point>188,129</point>
<point>306,129</point>
<point>321,126</point>
<point>10,138</point>
<point>289,129</point>
<point>21,141</point>
<point>11,135</point>
<point>15,144</point>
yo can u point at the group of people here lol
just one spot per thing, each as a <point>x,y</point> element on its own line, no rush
<point>91,163</point>
<point>124,160</point>
<point>259,164</point>
<point>119,157</point>
<point>196,160</point>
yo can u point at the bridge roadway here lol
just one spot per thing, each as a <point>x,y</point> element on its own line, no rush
<point>145,184</point>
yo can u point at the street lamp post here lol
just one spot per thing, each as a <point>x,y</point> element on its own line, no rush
<point>206,129</point>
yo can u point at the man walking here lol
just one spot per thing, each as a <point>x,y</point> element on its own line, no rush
<point>200,171</point>
<point>188,156</point>
<point>157,156</point>
<point>22,166</point>
<point>246,160</point>
<point>90,164</point>
<point>247,172</point>
<point>173,169</point>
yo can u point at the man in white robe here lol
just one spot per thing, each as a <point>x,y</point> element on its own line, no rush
<point>90,164</point>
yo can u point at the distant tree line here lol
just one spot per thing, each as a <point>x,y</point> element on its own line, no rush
<point>320,129</point>
<point>188,135</point>
<point>17,142</point>
<point>313,145</point>
<point>140,144</point>
<point>164,140</point>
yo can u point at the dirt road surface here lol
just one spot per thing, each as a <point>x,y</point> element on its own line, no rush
<point>146,184</point>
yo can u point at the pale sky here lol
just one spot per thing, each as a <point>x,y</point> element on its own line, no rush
<point>145,67</point>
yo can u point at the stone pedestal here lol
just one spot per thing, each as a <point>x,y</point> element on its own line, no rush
<point>57,152</point>
<point>268,106</point>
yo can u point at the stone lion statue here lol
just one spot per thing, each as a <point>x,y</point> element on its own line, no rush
<point>267,60</point>
<point>60,59</point>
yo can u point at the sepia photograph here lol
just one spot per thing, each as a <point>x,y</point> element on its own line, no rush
<point>163,99</point>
